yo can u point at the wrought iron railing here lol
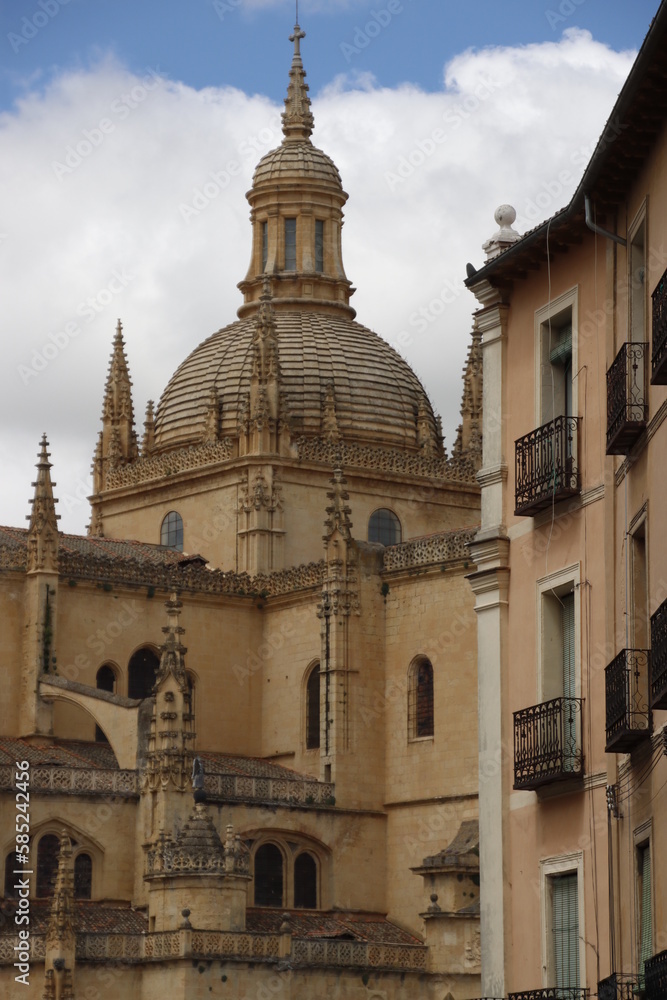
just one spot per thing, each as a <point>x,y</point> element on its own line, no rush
<point>658,696</point>
<point>627,399</point>
<point>552,993</point>
<point>659,334</point>
<point>628,717</point>
<point>619,986</point>
<point>655,977</point>
<point>546,465</point>
<point>547,743</point>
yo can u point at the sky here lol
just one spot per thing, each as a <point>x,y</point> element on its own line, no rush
<point>129,132</point>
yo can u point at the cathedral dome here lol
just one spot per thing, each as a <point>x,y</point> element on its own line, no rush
<point>299,158</point>
<point>333,373</point>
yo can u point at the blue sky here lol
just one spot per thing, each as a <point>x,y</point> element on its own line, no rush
<point>434,112</point>
<point>206,43</point>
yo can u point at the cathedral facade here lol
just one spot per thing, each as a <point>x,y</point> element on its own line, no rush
<point>238,729</point>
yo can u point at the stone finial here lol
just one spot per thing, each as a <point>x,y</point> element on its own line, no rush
<point>426,436</point>
<point>148,442</point>
<point>43,529</point>
<point>119,439</point>
<point>330,429</point>
<point>298,121</point>
<point>338,513</point>
<point>504,215</point>
<point>60,934</point>
<point>172,650</point>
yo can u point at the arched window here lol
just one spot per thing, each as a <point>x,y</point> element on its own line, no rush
<point>313,708</point>
<point>83,876</point>
<point>47,863</point>
<point>171,533</point>
<point>420,699</point>
<point>305,882</point>
<point>11,889</point>
<point>141,671</point>
<point>268,876</point>
<point>105,680</point>
<point>384,527</point>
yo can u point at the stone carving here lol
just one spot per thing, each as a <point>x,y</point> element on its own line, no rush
<point>473,951</point>
<point>444,547</point>
<point>261,496</point>
<point>183,460</point>
<point>148,442</point>
<point>43,531</point>
<point>457,469</point>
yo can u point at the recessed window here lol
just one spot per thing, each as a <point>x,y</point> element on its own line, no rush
<point>305,882</point>
<point>420,699</point>
<point>47,864</point>
<point>269,876</point>
<point>645,935</point>
<point>141,671</point>
<point>290,244</point>
<point>319,245</point>
<point>384,527</point>
<point>265,244</point>
<point>105,680</point>
<point>171,533</point>
<point>83,876</point>
<point>313,709</point>
<point>565,930</point>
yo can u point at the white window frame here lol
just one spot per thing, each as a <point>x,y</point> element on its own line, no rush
<point>642,836</point>
<point>563,864</point>
<point>640,219</point>
<point>560,580</point>
<point>553,311</point>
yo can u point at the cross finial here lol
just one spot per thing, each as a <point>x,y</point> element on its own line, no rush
<point>297,36</point>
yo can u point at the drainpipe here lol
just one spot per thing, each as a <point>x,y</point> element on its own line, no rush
<point>598,229</point>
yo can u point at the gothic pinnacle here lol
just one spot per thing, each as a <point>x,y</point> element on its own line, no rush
<point>297,117</point>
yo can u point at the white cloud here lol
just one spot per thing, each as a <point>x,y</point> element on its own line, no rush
<point>97,167</point>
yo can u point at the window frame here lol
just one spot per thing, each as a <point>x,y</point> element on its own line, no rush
<point>564,864</point>
<point>396,524</point>
<point>168,528</point>
<point>413,699</point>
<point>291,847</point>
<point>555,312</point>
<point>550,588</point>
<point>642,837</point>
<point>288,248</point>
<point>319,246</point>
<point>310,671</point>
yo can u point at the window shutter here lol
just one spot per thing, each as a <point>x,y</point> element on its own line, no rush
<point>567,620</point>
<point>565,928</point>
<point>646,936</point>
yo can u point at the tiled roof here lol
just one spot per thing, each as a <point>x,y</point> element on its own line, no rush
<point>60,753</point>
<point>248,767</point>
<point>371,927</point>
<point>15,540</point>
<point>91,918</point>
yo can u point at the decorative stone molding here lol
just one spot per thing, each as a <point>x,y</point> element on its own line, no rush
<point>448,546</point>
<point>244,788</point>
<point>261,496</point>
<point>74,780</point>
<point>356,953</point>
<point>144,470</point>
<point>198,850</point>
<point>459,468</point>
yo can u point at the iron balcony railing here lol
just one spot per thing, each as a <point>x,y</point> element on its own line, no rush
<point>659,334</point>
<point>552,993</point>
<point>547,743</point>
<point>546,465</point>
<point>655,977</point>
<point>628,717</point>
<point>619,986</point>
<point>627,399</point>
<point>658,697</point>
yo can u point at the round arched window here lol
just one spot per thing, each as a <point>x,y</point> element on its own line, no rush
<point>141,671</point>
<point>268,876</point>
<point>171,533</point>
<point>384,527</point>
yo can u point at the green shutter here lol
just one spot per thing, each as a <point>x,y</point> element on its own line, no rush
<point>565,929</point>
<point>646,928</point>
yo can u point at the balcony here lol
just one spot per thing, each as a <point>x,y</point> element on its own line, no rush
<point>547,743</point>
<point>618,986</point>
<point>627,400</point>
<point>659,338</point>
<point>655,977</point>
<point>658,694</point>
<point>552,993</point>
<point>546,466</point>
<point>626,693</point>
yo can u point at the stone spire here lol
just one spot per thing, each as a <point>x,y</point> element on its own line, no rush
<point>148,442</point>
<point>60,935</point>
<point>469,437</point>
<point>118,439</point>
<point>43,529</point>
<point>298,121</point>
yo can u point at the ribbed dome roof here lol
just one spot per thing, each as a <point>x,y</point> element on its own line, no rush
<point>376,394</point>
<point>300,158</point>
